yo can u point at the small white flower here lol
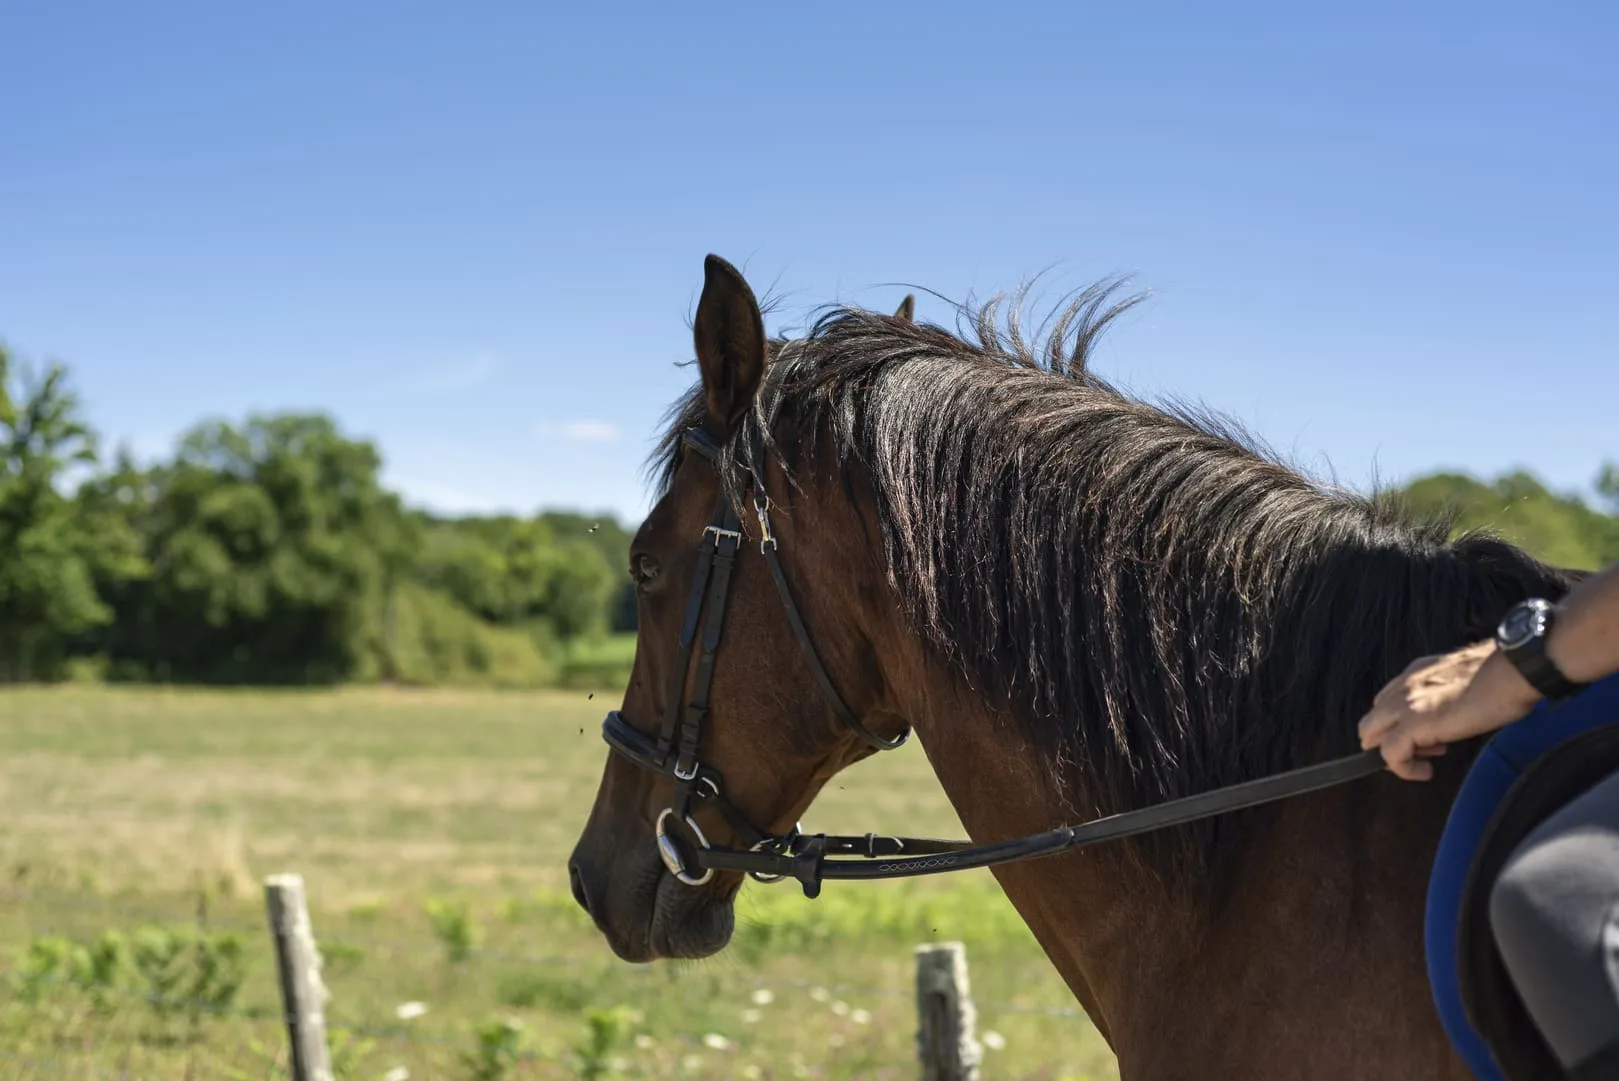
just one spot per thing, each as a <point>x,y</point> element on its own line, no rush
<point>820,994</point>
<point>644,1042</point>
<point>994,1040</point>
<point>408,1010</point>
<point>841,1008</point>
<point>691,1063</point>
<point>398,1073</point>
<point>717,1042</point>
<point>860,1017</point>
<point>835,1040</point>
<point>618,1064</point>
<point>763,997</point>
<point>751,1015</point>
<point>752,1072</point>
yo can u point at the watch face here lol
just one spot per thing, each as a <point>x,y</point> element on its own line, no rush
<point>1521,624</point>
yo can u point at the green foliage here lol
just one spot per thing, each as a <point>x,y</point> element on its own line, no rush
<point>499,1046</point>
<point>421,636</point>
<point>1608,486</point>
<point>271,543</point>
<point>605,1032</point>
<point>347,1051</point>
<point>1560,529</point>
<point>454,927</point>
<point>174,971</point>
<point>612,541</point>
<point>268,552</point>
<point>53,548</point>
<point>100,969</point>
<point>519,571</point>
<point>44,965</point>
<point>160,960</point>
<point>188,972</point>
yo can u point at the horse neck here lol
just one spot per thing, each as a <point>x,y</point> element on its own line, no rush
<point>1323,919</point>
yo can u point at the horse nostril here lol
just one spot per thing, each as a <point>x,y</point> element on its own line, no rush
<point>577,881</point>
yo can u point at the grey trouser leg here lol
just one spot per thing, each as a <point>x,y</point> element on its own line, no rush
<point>1555,914</point>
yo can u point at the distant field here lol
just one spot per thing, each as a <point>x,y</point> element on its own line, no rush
<point>132,811</point>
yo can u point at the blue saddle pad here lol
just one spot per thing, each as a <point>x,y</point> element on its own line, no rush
<point>1503,759</point>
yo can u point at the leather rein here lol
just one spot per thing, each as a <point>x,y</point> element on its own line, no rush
<point>810,858</point>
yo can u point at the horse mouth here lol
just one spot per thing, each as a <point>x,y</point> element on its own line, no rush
<point>658,917</point>
<point>688,923</point>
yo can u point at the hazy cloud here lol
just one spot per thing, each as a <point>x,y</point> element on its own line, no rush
<point>464,374</point>
<point>582,431</point>
<point>445,498</point>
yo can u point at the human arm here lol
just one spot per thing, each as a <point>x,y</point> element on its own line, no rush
<point>1473,690</point>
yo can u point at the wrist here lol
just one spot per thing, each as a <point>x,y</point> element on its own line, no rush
<point>1522,641</point>
<point>1501,684</point>
<point>1571,651</point>
<point>1557,652</point>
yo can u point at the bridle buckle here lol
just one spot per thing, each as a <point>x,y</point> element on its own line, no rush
<point>720,533</point>
<point>774,846</point>
<point>761,511</point>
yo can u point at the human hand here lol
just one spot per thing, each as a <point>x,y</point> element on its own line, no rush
<point>1440,699</point>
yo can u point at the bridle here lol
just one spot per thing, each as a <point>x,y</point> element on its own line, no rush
<point>805,857</point>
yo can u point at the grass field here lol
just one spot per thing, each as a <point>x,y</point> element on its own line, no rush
<point>432,829</point>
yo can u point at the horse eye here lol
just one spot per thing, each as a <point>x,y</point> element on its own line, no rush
<point>643,568</point>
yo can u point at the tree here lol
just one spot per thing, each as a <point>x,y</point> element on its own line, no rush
<point>612,541</point>
<point>274,549</point>
<point>1561,529</point>
<point>53,548</point>
<point>1608,485</point>
<point>512,570</point>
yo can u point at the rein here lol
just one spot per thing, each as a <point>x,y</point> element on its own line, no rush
<point>808,858</point>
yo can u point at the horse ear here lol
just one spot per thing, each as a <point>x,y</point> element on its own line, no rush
<point>907,308</point>
<point>730,336</point>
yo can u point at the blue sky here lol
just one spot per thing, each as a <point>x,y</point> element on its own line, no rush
<point>1384,238</point>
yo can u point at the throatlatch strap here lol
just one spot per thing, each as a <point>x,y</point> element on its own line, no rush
<point>813,659</point>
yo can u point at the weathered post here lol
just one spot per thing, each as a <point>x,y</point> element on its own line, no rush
<point>945,1015</point>
<point>297,959</point>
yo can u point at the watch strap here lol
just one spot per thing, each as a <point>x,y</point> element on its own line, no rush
<point>1532,662</point>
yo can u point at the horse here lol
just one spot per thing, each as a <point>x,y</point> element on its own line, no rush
<point>1083,604</point>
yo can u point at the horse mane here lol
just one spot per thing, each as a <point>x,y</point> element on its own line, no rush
<point>1163,605</point>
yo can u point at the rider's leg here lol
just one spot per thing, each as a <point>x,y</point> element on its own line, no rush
<point>1555,914</point>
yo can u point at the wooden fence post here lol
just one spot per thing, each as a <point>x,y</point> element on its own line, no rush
<point>945,1015</point>
<point>303,995</point>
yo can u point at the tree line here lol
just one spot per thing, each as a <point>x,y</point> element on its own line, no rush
<point>268,552</point>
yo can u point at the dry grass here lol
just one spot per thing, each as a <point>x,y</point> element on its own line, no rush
<point>120,808</point>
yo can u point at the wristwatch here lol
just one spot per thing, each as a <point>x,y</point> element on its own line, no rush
<point>1521,638</point>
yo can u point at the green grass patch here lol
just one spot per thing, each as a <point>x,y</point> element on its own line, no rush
<point>432,828</point>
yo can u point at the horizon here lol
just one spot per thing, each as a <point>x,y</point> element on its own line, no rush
<point>1381,240</point>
